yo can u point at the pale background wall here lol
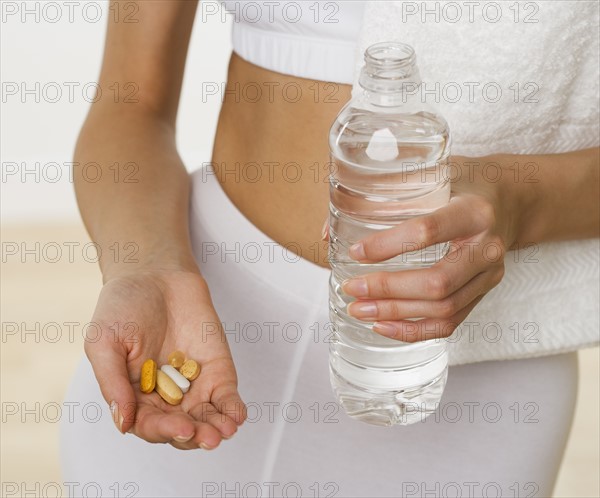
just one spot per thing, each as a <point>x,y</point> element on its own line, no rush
<point>43,210</point>
<point>58,54</point>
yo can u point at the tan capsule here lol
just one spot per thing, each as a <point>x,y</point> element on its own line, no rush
<point>148,376</point>
<point>190,369</point>
<point>176,359</point>
<point>167,389</point>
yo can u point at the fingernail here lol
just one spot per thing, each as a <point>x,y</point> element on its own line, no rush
<point>356,287</point>
<point>360,309</point>
<point>386,329</point>
<point>324,230</point>
<point>183,439</point>
<point>116,416</point>
<point>357,251</point>
<point>204,446</point>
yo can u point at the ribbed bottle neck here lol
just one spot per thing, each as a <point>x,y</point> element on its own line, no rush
<point>390,73</point>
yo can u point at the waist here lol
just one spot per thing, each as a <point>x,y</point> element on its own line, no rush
<point>271,153</point>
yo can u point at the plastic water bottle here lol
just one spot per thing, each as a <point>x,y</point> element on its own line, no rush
<point>389,154</point>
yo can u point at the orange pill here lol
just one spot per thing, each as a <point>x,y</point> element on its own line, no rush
<point>176,359</point>
<point>190,369</point>
<point>148,376</point>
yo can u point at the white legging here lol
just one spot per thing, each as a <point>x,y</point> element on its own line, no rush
<point>500,430</point>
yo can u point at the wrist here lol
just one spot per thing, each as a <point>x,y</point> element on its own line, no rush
<point>505,180</point>
<point>524,191</point>
<point>519,199</point>
<point>136,260</point>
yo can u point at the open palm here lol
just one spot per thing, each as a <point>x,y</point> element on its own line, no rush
<point>149,315</point>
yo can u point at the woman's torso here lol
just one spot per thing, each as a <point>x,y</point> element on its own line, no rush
<point>271,153</point>
<point>271,148</point>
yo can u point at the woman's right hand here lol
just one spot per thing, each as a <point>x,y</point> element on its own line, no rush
<point>148,314</point>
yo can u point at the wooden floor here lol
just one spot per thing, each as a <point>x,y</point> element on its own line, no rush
<point>36,365</point>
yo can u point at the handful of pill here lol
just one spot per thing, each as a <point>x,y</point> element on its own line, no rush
<point>172,381</point>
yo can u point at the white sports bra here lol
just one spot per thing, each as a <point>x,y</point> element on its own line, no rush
<point>314,39</point>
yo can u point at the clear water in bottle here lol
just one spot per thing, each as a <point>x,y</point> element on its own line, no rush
<point>389,156</point>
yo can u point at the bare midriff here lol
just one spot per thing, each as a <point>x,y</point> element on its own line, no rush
<point>271,153</point>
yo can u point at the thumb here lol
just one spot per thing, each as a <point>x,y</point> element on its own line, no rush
<point>109,361</point>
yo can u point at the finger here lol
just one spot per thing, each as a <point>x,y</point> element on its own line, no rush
<point>156,425</point>
<point>219,385</point>
<point>434,283</point>
<point>180,428</point>
<point>206,437</point>
<point>399,309</point>
<point>423,330</point>
<point>191,445</point>
<point>228,401</point>
<point>207,413</point>
<point>183,446</point>
<point>109,361</point>
<point>460,218</point>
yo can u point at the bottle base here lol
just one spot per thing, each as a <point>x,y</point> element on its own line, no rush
<point>388,407</point>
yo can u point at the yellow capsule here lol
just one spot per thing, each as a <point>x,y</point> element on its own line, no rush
<point>148,376</point>
<point>168,390</point>
<point>190,369</point>
<point>176,359</point>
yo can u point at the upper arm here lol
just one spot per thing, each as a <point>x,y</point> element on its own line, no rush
<point>148,55</point>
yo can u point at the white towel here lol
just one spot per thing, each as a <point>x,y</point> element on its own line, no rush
<point>545,67</point>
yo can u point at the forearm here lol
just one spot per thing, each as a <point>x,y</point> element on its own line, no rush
<point>138,216</point>
<point>555,196</point>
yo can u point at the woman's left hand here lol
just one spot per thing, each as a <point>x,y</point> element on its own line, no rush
<point>481,222</point>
